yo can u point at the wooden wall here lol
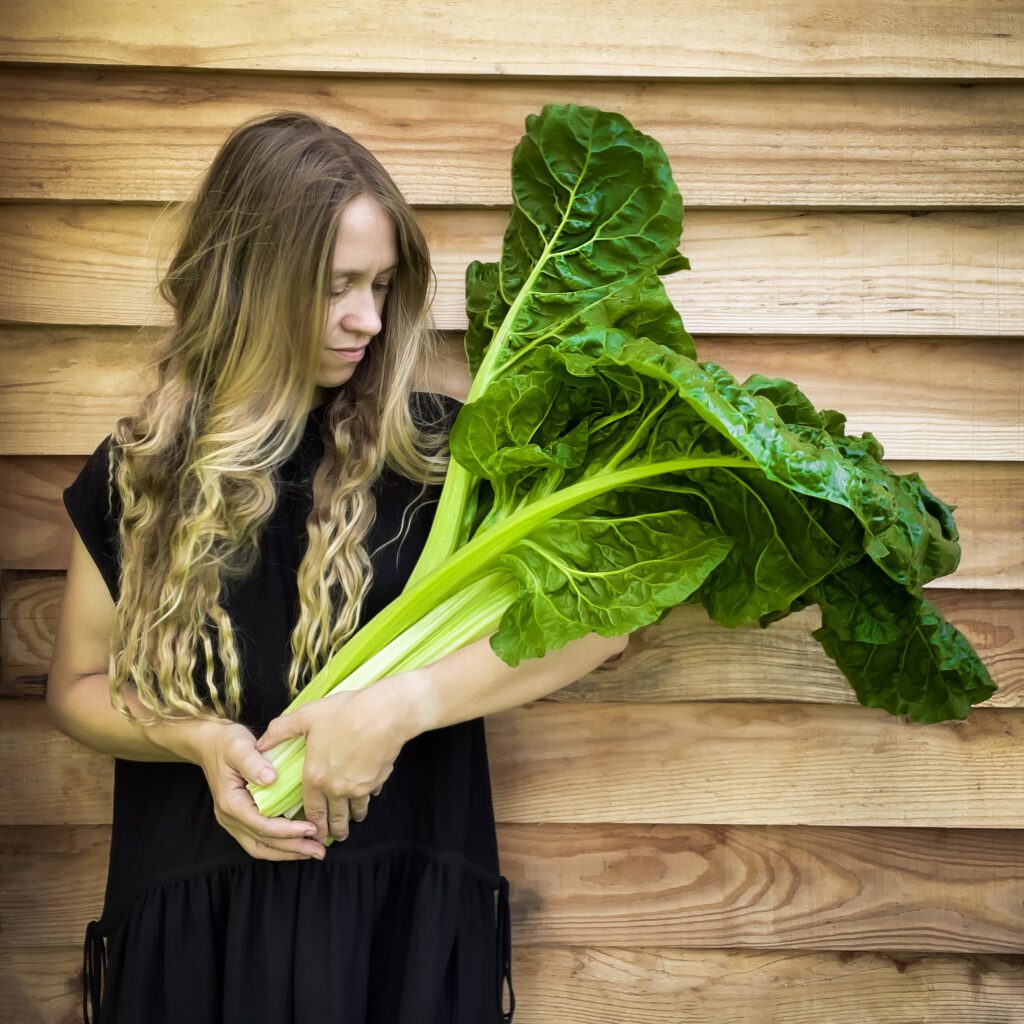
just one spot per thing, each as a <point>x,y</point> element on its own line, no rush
<point>711,829</point>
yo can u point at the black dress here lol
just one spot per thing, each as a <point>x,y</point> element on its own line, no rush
<point>397,925</point>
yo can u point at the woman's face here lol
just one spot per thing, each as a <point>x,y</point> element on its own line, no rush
<point>365,257</point>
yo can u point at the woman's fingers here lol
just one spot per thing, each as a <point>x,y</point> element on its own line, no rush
<point>286,850</point>
<point>314,807</point>
<point>338,817</point>
<point>330,815</point>
<point>240,805</point>
<point>280,834</point>
<point>228,762</point>
<point>242,757</point>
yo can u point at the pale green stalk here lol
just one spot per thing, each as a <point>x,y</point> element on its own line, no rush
<point>474,612</point>
<point>459,483</point>
<point>444,597</point>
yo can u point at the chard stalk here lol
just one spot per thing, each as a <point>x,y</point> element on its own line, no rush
<point>459,483</point>
<point>456,603</point>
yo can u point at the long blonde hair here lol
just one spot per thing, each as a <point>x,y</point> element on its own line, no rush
<point>195,468</point>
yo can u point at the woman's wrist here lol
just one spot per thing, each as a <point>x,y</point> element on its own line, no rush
<point>408,697</point>
<point>185,739</point>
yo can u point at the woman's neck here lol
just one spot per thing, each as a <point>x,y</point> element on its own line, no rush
<point>321,396</point>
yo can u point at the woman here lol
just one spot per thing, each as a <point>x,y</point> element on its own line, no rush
<point>270,497</point>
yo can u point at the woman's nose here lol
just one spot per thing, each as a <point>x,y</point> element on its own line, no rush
<point>362,316</point>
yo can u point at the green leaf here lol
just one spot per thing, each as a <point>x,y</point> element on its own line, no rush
<point>897,651</point>
<point>597,218</point>
<point>588,571</point>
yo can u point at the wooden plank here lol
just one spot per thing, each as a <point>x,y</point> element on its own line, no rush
<point>742,887</point>
<point>754,271</point>
<point>656,38</point>
<point>782,663</point>
<point>66,385</point>
<point>686,657</point>
<point>707,762</point>
<point>663,985</point>
<point>41,985</point>
<point>784,887</point>
<point>35,532</point>
<point>755,763</point>
<point>149,135</point>
<point>29,611</point>
<point>601,985</point>
<point>903,391</point>
<point>66,898</point>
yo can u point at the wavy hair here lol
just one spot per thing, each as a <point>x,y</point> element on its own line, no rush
<point>197,466</point>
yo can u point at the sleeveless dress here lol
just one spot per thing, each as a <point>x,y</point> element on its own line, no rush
<point>404,922</point>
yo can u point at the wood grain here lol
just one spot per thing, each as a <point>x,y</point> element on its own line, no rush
<point>149,135</point>
<point>930,39</point>
<point>66,386</point>
<point>698,762</point>
<point>734,886</point>
<point>643,985</point>
<point>683,845</point>
<point>753,271</point>
<point>590,984</point>
<point>779,887</point>
<point>35,531</point>
<point>755,763</point>
<point>686,657</point>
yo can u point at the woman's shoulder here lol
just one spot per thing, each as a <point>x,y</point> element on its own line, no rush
<point>447,376</point>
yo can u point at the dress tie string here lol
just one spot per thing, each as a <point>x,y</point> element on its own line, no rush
<point>504,953</point>
<point>94,969</point>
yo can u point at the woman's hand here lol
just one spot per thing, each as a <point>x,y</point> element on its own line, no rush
<point>352,740</point>
<point>229,759</point>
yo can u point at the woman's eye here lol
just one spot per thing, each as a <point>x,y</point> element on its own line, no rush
<point>381,286</point>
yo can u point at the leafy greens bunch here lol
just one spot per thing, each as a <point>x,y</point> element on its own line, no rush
<point>601,475</point>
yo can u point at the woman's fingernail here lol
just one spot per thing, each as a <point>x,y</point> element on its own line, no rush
<point>267,775</point>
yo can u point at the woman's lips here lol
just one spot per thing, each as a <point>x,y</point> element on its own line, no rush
<point>351,355</point>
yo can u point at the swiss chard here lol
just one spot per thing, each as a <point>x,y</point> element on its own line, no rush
<point>601,475</point>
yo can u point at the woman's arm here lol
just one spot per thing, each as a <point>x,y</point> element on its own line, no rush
<point>78,702</point>
<point>354,737</point>
<point>81,708</point>
<point>78,686</point>
<point>473,681</point>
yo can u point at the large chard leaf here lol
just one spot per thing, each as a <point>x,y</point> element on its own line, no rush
<point>583,370</point>
<point>597,218</point>
<point>897,651</point>
<point>927,523</point>
<point>588,571</point>
<point>600,475</point>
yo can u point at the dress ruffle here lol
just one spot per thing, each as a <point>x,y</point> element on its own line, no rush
<point>387,936</point>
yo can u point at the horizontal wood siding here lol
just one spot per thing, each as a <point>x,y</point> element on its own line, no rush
<point>710,829</point>
<point>653,39</point>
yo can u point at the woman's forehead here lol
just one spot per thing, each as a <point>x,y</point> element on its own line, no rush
<point>365,242</point>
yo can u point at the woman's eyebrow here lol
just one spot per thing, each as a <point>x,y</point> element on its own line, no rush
<point>356,273</point>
